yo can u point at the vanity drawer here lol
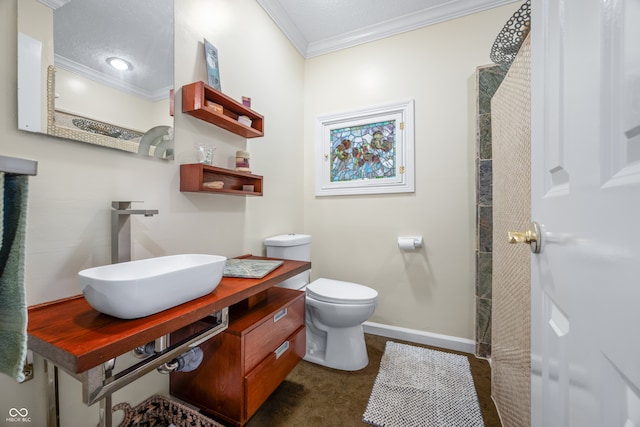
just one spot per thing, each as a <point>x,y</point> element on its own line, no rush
<point>272,331</point>
<point>266,377</point>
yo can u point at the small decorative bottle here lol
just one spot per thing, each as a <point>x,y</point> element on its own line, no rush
<point>242,161</point>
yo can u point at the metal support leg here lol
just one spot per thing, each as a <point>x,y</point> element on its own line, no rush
<point>53,404</point>
<point>106,403</point>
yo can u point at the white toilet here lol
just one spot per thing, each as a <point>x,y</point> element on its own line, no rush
<point>335,310</point>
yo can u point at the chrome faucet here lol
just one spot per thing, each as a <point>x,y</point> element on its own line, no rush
<point>121,229</point>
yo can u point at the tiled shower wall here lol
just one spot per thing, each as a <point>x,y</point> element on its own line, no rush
<point>488,80</point>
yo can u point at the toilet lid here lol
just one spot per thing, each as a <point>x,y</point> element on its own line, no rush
<point>338,292</point>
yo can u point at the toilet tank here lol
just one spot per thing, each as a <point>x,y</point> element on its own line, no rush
<point>291,246</point>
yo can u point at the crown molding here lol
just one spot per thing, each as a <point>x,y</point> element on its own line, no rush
<point>430,16</point>
<point>277,13</point>
<point>54,4</point>
<point>74,67</point>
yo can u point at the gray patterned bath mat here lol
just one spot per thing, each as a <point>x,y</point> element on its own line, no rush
<point>418,387</point>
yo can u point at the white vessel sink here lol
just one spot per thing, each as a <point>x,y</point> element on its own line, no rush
<point>129,290</point>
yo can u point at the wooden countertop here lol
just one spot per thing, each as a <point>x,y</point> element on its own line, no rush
<point>76,338</point>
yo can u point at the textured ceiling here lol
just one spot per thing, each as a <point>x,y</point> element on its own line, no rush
<point>321,20</point>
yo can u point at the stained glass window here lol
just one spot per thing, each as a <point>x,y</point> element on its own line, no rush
<point>365,151</point>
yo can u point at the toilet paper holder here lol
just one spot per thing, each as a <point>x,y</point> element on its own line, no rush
<point>409,243</point>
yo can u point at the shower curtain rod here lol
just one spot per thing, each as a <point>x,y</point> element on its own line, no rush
<point>18,166</point>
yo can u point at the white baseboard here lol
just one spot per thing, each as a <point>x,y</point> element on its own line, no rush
<point>420,337</point>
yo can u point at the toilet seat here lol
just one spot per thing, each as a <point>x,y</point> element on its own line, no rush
<point>339,292</point>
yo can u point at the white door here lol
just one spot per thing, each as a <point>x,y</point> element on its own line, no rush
<point>586,196</point>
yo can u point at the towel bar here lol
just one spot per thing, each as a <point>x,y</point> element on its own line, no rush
<point>96,386</point>
<point>18,166</point>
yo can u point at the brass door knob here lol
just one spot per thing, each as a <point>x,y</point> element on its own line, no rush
<point>533,237</point>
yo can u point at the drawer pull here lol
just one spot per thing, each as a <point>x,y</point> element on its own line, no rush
<point>280,350</point>
<point>279,315</point>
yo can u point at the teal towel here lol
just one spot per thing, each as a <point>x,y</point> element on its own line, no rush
<point>13,301</point>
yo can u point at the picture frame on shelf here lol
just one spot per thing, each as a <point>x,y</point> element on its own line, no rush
<point>213,65</point>
<point>366,151</point>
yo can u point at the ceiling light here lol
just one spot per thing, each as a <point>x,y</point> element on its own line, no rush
<point>119,64</point>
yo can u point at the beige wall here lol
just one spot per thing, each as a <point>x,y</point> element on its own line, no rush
<point>355,237</point>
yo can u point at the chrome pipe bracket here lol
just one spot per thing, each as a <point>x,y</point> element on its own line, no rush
<point>161,344</point>
<point>27,368</point>
<point>167,368</point>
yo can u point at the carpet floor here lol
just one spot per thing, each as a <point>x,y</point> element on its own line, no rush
<point>315,396</point>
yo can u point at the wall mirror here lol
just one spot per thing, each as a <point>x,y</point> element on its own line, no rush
<point>97,71</point>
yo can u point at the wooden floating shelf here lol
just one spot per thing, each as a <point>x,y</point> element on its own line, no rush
<point>206,103</point>
<point>194,175</point>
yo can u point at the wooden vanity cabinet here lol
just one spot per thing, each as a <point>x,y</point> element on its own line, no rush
<point>244,364</point>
